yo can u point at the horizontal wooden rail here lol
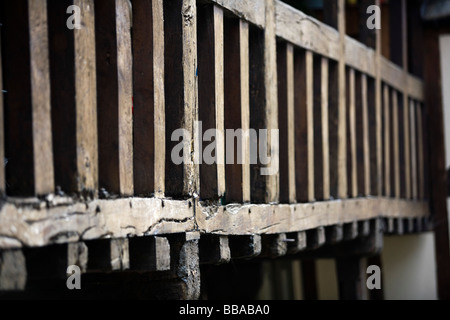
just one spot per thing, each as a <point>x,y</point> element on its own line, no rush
<point>39,223</point>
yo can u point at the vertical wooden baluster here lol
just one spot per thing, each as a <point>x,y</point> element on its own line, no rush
<point>74,99</point>
<point>365,137</point>
<point>317,128</point>
<point>291,122</point>
<point>412,115</point>
<point>114,96</point>
<point>285,72</point>
<point>26,99</point>
<point>310,123</point>
<point>236,86</point>
<point>148,105</point>
<point>387,142</point>
<point>180,54</point>
<point>325,128</point>
<point>2,131</point>
<point>86,94</point>
<point>396,145</point>
<point>342,126</point>
<point>211,95</point>
<point>360,105</point>
<point>271,108</point>
<point>420,153</point>
<point>302,97</point>
<point>352,133</point>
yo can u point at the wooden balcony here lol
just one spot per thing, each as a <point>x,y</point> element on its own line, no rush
<point>86,133</point>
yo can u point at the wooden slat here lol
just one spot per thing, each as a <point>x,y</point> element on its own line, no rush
<point>310,122</point>
<point>407,145</point>
<point>282,77</point>
<point>291,122</point>
<point>258,182</point>
<point>211,95</point>
<point>396,146</point>
<point>333,100</point>
<point>342,126</point>
<point>2,132</point>
<point>412,122</point>
<point>360,105</point>
<point>365,137</point>
<point>387,141</point>
<point>26,94</point>
<point>325,128</point>
<point>148,105</point>
<point>40,97</point>
<point>180,52</point>
<point>317,129</point>
<point>304,166</point>
<point>271,107</point>
<point>114,96</point>
<point>420,153</point>
<point>352,132</point>
<point>237,114</point>
<point>377,185</point>
<point>85,101</point>
<point>245,107</point>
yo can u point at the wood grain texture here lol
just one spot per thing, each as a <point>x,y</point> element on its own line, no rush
<point>248,10</point>
<point>420,153</point>
<point>310,122</point>
<point>237,114</point>
<point>407,145</point>
<point>284,218</point>
<point>85,101</point>
<point>395,140</point>
<point>180,26</point>
<point>342,125</point>
<point>271,102</point>
<point>353,174</point>
<point>305,31</point>
<point>325,129</point>
<point>283,92</point>
<point>36,225</point>
<point>387,140</point>
<point>18,95</point>
<point>148,105</point>
<point>114,97</point>
<point>2,132</point>
<point>40,98</point>
<point>211,99</point>
<point>413,148</point>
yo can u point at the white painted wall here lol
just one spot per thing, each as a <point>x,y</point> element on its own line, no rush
<point>409,267</point>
